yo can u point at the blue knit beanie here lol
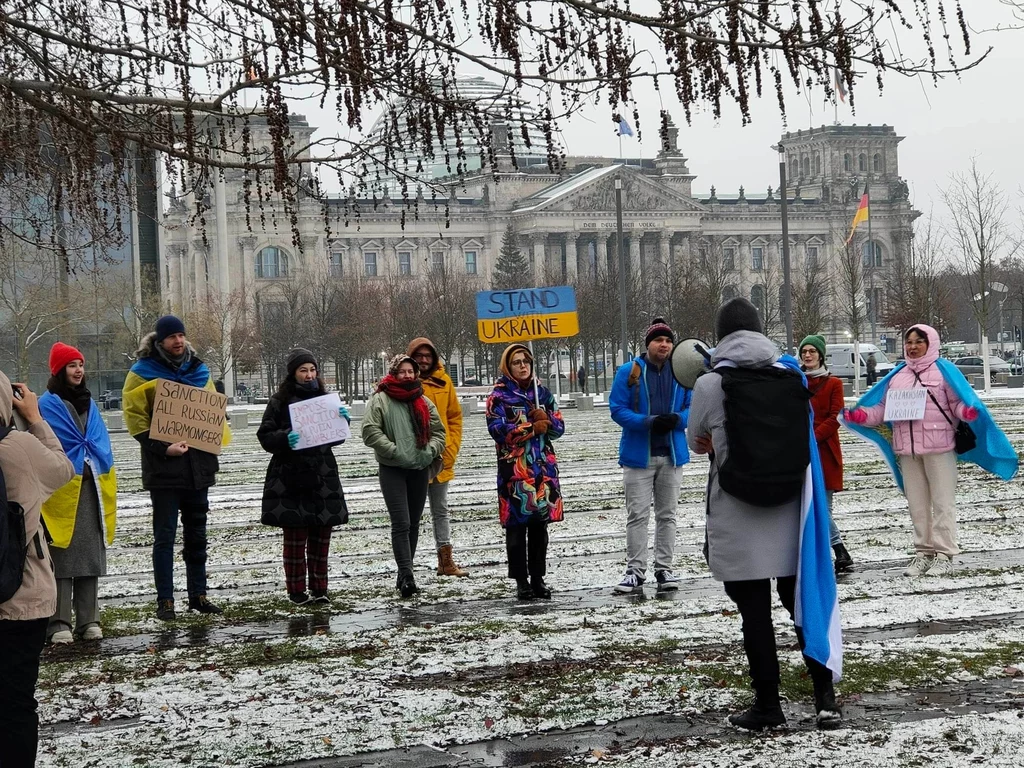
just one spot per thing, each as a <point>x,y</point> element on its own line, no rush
<point>168,325</point>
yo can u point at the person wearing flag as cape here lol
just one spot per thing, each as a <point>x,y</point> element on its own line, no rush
<point>748,542</point>
<point>922,453</point>
<point>177,477</point>
<point>81,516</point>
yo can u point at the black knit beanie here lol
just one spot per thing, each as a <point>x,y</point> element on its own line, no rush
<point>657,329</point>
<point>297,357</point>
<point>737,315</point>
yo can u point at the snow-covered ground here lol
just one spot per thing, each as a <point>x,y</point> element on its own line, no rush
<point>269,683</point>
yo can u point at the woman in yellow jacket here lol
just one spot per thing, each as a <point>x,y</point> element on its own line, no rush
<point>80,516</point>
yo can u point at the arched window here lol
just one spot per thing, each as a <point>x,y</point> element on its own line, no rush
<point>729,292</point>
<point>757,298</point>
<point>862,162</point>
<point>847,162</point>
<point>817,164</point>
<point>871,254</point>
<point>807,166</point>
<point>877,163</point>
<point>271,263</point>
<point>794,166</point>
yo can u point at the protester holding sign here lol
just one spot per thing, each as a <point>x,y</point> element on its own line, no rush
<point>302,494</point>
<point>925,440</point>
<point>177,477</point>
<point>406,433</point>
<point>80,516</point>
<point>32,466</point>
<point>523,419</point>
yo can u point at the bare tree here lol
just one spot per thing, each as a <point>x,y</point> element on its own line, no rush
<point>221,330</point>
<point>979,229</point>
<point>450,319</point>
<point>917,294</point>
<point>850,289</point>
<point>810,297</point>
<point>115,79</point>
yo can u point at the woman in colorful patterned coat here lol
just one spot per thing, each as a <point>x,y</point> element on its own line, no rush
<point>528,493</point>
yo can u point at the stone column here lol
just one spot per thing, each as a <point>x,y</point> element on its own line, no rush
<point>539,265</point>
<point>601,258</point>
<point>634,253</point>
<point>388,256</point>
<point>571,267</point>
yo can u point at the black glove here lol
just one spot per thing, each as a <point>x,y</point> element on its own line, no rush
<point>664,422</point>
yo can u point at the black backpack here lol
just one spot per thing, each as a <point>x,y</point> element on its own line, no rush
<point>767,426</point>
<point>13,544</point>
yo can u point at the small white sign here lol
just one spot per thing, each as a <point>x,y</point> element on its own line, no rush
<point>905,404</point>
<point>318,421</point>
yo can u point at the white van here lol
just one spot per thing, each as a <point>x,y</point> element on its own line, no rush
<point>839,359</point>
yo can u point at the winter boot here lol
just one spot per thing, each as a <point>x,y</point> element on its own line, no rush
<point>540,589</point>
<point>844,562</point>
<point>203,605</point>
<point>407,586</point>
<point>765,712</point>
<point>446,563</point>
<point>298,598</point>
<point>523,589</point>
<point>165,610</point>
<point>829,715</point>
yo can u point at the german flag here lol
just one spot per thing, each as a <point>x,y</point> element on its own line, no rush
<point>861,215</point>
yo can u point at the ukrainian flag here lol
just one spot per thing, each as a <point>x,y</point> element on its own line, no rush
<point>94,447</point>
<point>140,390</point>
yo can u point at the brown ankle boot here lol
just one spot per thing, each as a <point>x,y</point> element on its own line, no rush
<point>446,563</point>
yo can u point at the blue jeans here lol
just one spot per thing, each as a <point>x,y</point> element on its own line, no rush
<point>834,536</point>
<point>193,506</point>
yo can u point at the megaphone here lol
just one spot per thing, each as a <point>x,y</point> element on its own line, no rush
<point>690,358</point>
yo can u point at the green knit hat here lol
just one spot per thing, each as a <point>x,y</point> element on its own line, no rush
<point>816,341</point>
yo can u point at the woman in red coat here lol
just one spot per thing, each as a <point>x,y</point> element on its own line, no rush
<point>827,402</point>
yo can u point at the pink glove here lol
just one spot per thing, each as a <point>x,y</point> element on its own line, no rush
<point>856,415</point>
<point>970,413</point>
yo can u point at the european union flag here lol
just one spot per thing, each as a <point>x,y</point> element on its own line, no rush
<point>625,129</point>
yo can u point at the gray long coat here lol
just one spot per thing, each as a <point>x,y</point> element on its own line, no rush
<point>744,542</point>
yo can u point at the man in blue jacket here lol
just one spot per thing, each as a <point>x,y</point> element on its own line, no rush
<point>652,409</point>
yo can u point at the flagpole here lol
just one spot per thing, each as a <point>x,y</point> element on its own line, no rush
<point>871,249</point>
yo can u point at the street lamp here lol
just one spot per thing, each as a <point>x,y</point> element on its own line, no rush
<point>787,285</point>
<point>622,267</point>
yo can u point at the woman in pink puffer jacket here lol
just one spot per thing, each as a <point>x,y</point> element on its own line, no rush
<point>926,450</point>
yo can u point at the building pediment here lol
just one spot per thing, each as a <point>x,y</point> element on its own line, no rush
<point>594,190</point>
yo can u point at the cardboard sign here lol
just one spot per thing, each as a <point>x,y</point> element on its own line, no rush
<point>905,404</point>
<point>526,314</point>
<point>190,414</point>
<point>318,422</point>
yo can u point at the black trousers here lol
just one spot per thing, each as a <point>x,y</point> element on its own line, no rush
<point>21,644</point>
<point>527,548</point>
<point>754,601</point>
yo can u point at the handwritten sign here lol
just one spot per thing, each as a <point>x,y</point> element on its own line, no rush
<point>318,422</point>
<point>526,314</point>
<point>905,404</point>
<point>187,414</point>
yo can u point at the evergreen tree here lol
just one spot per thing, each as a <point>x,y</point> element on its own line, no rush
<point>512,270</point>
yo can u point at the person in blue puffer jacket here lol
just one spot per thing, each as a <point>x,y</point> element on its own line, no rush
<point>652,409</point>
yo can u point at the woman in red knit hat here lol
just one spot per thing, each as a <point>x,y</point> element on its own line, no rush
<point>80,516</point>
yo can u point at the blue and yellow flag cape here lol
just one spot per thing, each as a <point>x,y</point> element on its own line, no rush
<point>140,389</point>
<point>993,451</point>
<point>817,597</point>
<point>94,446</point>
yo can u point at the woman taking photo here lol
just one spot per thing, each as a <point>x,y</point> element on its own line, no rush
<point>302,493</point>
<point>922,453</point>
<point>528,492</point>
<point>407,436</point>
<point>81,516</point>
<point>827,401</point>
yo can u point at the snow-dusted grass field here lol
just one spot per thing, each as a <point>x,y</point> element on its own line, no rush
<point>268,683</point>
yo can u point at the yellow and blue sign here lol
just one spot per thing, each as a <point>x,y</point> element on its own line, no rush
<point>526,314</point>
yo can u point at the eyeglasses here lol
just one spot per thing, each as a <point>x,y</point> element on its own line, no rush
<point>519,362</point>
<point>423,356</point>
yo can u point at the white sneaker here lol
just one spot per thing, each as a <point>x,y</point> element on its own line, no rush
<point>942,565</point>
<point>92,632</point>
<point>63,637</point>
<point>630,583</point>
<point>919,565</point>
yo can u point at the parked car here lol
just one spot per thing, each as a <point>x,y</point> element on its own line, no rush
<point>111,398</point>
<point>472,383</point>
<point>976,365</point>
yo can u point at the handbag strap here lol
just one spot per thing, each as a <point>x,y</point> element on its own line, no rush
<point>926,389</point>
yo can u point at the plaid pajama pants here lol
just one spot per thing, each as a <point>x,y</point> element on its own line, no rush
<point>305,549</point>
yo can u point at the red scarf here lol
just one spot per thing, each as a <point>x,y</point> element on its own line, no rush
<point>410,392</point>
